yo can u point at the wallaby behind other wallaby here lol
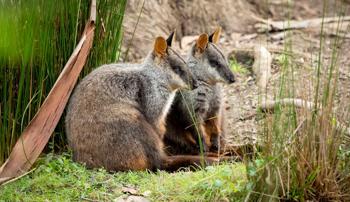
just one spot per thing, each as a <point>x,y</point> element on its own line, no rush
<point>116,115</point>
<point>197,116</point>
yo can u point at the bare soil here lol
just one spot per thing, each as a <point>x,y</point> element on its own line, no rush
<point>238,19</point>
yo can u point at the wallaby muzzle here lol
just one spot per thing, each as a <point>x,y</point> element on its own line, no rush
<point>227,75</point>
<point>231,79</point>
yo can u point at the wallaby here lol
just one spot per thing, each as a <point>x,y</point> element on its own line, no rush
<point>198,116</point>
<point>116,115</point>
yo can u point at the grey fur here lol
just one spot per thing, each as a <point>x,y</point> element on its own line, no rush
<point>116,115</point>
<point>210,69</point>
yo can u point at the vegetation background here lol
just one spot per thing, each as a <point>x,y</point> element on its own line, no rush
<point>37,38</point>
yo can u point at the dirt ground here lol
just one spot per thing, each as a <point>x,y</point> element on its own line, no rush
<point>238,20</point>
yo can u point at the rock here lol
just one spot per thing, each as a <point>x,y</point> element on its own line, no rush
<point>129,190</point>
<point>131,199</point>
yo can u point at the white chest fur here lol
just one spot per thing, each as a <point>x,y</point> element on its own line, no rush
<point>167,106</point>
<point>165,111</point>
<point>162,119</point>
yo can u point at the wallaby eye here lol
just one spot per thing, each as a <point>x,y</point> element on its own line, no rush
<point>214,63</point>
<point>177,69</point>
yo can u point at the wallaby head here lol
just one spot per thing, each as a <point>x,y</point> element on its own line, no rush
<point>171,62</point>
<point>208,53</point>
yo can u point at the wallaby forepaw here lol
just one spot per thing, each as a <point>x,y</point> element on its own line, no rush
<point>201,102</point>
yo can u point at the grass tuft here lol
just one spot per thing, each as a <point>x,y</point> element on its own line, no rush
<point>57,178</point>
<point>237,68</point>
<point>304,154</point>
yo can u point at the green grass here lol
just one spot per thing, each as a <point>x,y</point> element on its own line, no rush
<point>57,178</point>
<point>237,68</point>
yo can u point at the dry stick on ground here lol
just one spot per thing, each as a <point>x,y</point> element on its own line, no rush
<point>34,138</point>
<point>269,105</point>
<point>269,26</point>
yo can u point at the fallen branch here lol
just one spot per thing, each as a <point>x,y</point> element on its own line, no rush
<point>268,26</point>
<point>269,105</point>
<point>36,135</point>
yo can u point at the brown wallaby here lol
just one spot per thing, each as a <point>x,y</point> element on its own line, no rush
<point>116,115</point>
<point>197,116</point>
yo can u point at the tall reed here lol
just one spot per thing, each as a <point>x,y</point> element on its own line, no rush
<point>37,38</point>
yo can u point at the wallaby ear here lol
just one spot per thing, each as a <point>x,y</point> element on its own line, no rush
<point>160,46</point>
<point>171,38</point>
<point>202,42</point>
<point>214,37</point>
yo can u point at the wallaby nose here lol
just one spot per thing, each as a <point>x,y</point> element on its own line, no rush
<point>231,79</point>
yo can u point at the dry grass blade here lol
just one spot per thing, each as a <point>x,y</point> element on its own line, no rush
<point>36,135</point>
<point>5,181</point>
